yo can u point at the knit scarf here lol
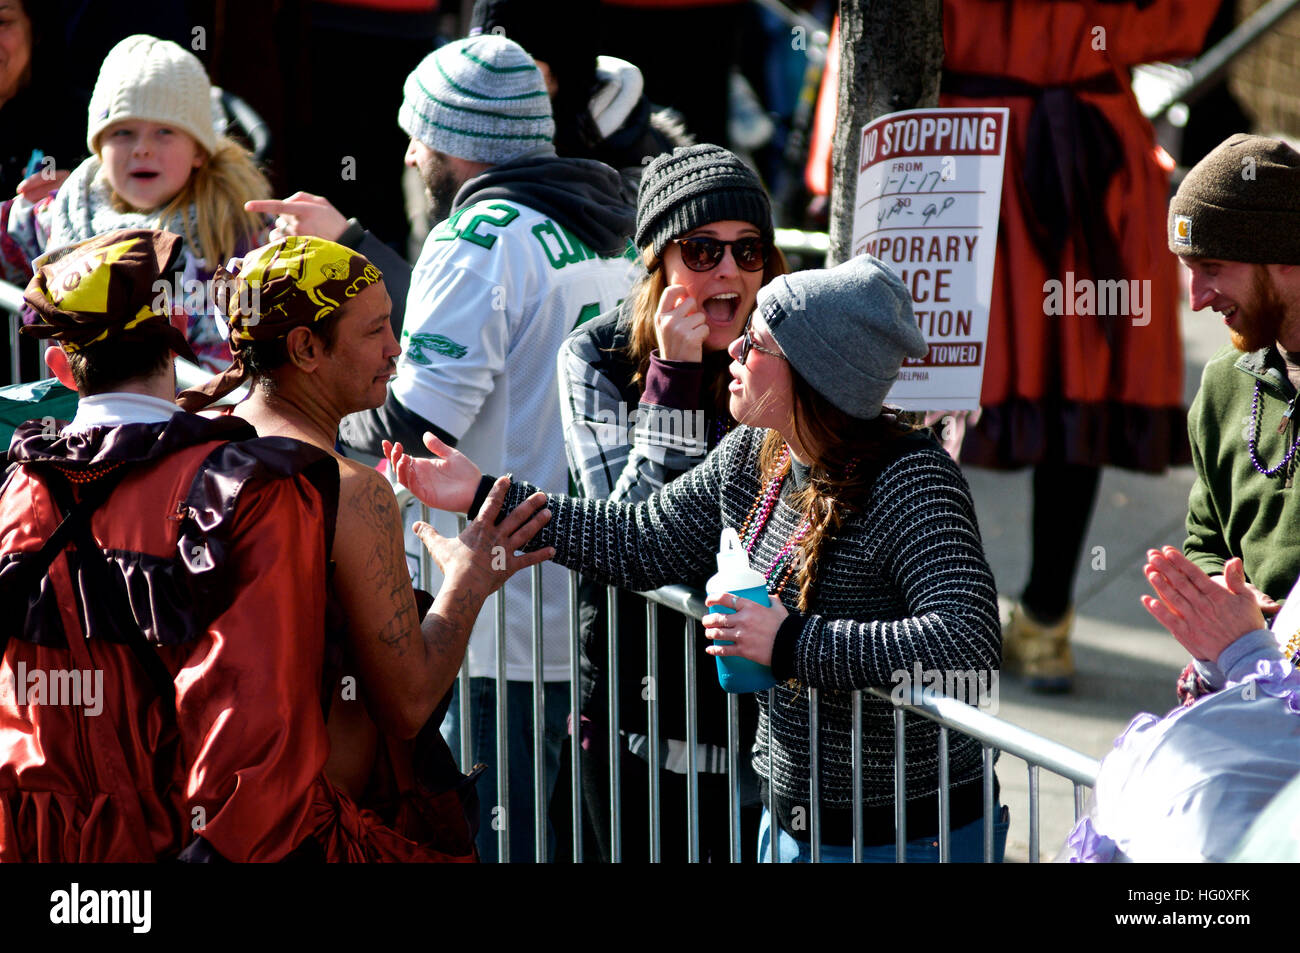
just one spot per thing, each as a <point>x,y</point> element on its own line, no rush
<point>83,208</point>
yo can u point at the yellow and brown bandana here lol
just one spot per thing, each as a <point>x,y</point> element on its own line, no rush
<point>107,287</point>
<point>290,283</point>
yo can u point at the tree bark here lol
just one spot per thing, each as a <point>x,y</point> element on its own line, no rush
<point>891,58</point>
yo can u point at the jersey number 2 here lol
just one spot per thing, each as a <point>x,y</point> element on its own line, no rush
<point>506,215</point>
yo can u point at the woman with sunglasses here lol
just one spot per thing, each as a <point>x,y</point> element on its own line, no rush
<point>643,394</point>
<point>866,533</point>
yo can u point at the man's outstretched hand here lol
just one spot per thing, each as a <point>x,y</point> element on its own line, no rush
<point>1204,614</point>
<point>448,481</point>
<point>483,556</point>
<point>301,214</point>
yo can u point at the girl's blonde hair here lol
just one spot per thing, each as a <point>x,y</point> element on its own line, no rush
<point>217,190</point>
<point>645,305</point>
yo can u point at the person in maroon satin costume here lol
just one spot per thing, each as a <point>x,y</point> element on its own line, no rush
<point>167,642</point>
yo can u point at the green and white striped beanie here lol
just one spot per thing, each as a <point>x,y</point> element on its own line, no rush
<point>481,99</point>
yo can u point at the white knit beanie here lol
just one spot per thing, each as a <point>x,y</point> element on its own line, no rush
<point>146,78</point>
<point>480,99</point>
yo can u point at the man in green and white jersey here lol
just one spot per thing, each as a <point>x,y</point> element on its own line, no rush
<point>529,245</point>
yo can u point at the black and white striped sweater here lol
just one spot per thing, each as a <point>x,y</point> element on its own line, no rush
<point>904,582</point>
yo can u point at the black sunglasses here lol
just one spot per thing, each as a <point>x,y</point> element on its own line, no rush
<point>703,254</point>
<point>747,344</point>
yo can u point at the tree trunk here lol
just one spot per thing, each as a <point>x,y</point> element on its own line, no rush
<point>891,58</point>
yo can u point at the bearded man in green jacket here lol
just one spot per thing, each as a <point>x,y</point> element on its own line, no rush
<point>1235,223</point>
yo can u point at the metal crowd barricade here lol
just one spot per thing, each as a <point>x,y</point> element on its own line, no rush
<point>994,734</point>
<point>11,302</point>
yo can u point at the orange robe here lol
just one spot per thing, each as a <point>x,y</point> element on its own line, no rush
<point>225,576</point>
<point>1082,389</point>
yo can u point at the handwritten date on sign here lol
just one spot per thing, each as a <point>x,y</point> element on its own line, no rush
<point>901,207</point>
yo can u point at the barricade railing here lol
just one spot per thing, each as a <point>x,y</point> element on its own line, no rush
<point>11,303</point>
<point>952,715</point>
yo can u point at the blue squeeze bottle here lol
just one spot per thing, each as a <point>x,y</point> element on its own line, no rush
<point>736,674</point>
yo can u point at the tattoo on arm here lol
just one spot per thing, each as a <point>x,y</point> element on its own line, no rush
<point>447,627</point>
<point>385,570</point>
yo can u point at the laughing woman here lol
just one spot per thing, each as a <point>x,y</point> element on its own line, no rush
<point>704,224</point>
<point>864,529</point>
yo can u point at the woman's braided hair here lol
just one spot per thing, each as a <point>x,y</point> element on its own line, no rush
<point>845,454</point>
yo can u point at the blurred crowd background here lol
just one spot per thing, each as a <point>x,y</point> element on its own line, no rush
<point>325,76</point>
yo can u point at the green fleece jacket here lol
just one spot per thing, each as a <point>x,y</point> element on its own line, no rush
<point>1234,510</point>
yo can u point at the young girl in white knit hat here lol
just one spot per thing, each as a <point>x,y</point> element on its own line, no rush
<point>158,162</point>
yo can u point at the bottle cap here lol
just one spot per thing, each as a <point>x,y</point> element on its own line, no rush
<point>731,555</point>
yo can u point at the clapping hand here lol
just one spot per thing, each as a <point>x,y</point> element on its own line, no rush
<point>1204,614</point>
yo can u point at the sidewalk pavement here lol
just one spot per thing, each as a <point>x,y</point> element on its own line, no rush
<point>1125,662</point>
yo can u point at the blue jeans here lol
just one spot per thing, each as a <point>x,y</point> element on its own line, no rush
<point>966,845</point>
<point>483,734</point>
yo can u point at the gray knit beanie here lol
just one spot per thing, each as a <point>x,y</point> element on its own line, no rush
<point>154,80</point>
<point>480,99</point>
<point>693,186</point>
<point>845,330</point>
<point>1240,203</point>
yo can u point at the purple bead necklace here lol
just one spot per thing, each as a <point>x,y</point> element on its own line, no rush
<point>723,427</point>
<point>1253,443</point>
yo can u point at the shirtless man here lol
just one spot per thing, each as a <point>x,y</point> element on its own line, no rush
<point>309,322</point>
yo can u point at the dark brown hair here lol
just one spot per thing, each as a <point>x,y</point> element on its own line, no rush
<point>106,366</point>
<point>263,357</point>
<point>845,454</point>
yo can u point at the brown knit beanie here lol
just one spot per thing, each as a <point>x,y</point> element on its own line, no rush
<point>1240,203</point>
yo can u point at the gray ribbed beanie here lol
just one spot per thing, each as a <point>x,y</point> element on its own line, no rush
<point>845,330</point>
<point>693,186</point>
<point>480,99</point>
<point>1240,203</point>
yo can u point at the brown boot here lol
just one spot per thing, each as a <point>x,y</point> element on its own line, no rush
<point>1041,653</point>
